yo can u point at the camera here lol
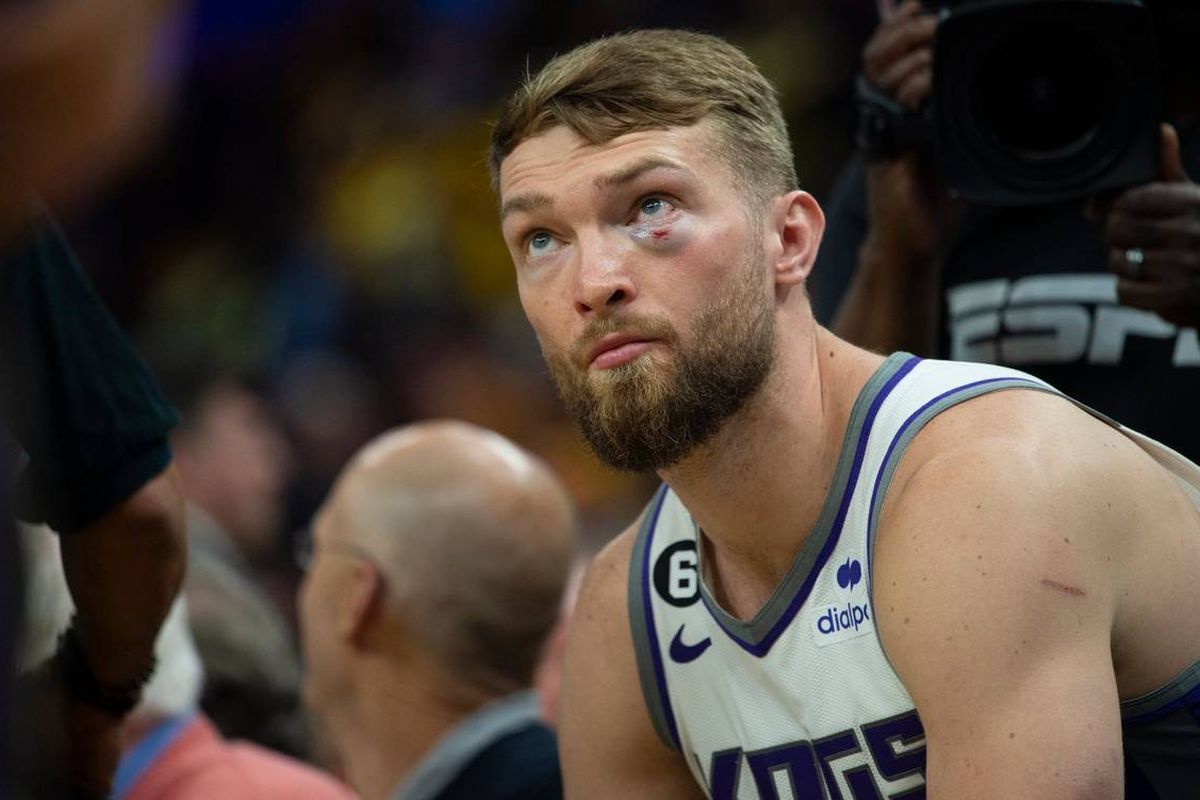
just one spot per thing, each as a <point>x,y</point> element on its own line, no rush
<point>1034,101</point>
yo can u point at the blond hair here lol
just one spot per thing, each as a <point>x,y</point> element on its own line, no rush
<point>657,79</point>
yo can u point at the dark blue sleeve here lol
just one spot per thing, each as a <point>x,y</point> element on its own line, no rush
<point>520,766</point>
<point>77,398</point>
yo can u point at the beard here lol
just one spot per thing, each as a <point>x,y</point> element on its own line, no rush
<point>650,414</point>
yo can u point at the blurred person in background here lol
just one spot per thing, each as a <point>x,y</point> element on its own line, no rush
<point>90,426</point>
<point>234,461</point>
<point>78,89</point>
<point>1105,308</point>
<point>170,750</point>
<point>437,570</point>
<point>251,666</point>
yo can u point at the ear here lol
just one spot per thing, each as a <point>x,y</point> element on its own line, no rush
<point>360,602</point>
<point>799,226</point>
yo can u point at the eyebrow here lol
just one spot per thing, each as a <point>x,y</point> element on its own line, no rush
<point>525,202</point>
<point>536,200</point>
<point>636,170</point>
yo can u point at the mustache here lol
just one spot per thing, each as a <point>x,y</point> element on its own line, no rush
<point>641,327</point>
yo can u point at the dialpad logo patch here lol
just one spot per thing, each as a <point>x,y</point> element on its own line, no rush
<point>851,616</point>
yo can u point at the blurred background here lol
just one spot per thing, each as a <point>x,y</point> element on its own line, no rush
<point>307,252</point>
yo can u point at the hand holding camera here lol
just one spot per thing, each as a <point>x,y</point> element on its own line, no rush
<point>1152,233</point>
<point>898,58</point>
<point>907,203</point>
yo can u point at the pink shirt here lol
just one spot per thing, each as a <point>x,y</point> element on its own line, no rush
<point>199,765</point>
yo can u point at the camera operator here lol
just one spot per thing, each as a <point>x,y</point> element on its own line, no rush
<point>1098,296</point>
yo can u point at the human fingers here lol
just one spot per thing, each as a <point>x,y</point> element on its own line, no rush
<point>1159,199</point>
<point>895,74</point>
<point>907,8</point>
<point>893,40</point>
<point>1153,266</point>
<point>1152,233</point>
<point>1177,303</point>
<point>916,88</point>
<point>1171,168</point>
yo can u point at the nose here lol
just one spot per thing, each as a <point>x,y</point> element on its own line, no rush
<point>603,281</point>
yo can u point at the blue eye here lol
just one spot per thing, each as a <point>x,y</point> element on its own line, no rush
<point>540,242</point>
<point>652,206</point>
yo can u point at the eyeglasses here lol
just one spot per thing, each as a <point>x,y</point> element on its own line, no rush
<point>304,551</point>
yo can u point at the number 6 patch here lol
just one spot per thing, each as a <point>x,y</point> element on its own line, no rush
<point>676,574</point>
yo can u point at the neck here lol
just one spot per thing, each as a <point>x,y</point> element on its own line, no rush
<point>393,720</point>
<point>758,487</point>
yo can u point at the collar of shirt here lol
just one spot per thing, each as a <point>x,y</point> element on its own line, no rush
<point>141,756</point>
<point>464,741</point>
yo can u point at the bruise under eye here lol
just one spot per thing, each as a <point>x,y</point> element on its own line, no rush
<point>653,233</point>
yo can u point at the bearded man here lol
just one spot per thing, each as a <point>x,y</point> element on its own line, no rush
<point>864,576</point>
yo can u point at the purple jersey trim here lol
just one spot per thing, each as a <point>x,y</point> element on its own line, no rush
<point>660,675</point>
<point>1192,698</point>
<point>762,647</point>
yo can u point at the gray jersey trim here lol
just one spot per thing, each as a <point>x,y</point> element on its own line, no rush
<point>645,644</point>
<point>1164,700</point>
<point>757,628</point>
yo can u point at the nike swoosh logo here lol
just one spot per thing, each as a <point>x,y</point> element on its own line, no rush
<point>684,653</point>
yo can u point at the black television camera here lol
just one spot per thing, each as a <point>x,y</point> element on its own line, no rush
<point>1033,101</point>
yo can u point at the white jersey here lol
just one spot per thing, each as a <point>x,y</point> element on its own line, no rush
<point>800,701</point>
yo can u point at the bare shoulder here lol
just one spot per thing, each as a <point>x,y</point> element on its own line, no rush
<point>1009,482</point>
<point>607,576</point>
<point>994,580</point>
<point>608,743</point>
<point>1033,462</point>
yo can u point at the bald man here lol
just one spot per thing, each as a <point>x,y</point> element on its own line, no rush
<point>438,566</point>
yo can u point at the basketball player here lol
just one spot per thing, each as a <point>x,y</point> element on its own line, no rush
<point>864,577</point>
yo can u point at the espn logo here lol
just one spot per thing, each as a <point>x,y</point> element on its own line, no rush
<point>1054,319</point>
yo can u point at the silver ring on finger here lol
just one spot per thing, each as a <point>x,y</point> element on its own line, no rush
<point>1134,259</point>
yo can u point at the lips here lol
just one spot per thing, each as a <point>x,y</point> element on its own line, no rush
<point>616,349</point>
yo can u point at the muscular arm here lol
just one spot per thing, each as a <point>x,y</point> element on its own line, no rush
<point>124,571</point>
<point>996,604</point>
<point>891,303</point>
<point>608,745</point>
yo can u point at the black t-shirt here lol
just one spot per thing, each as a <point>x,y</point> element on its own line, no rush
<point>1030,288</point>
<point>78,400</point>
